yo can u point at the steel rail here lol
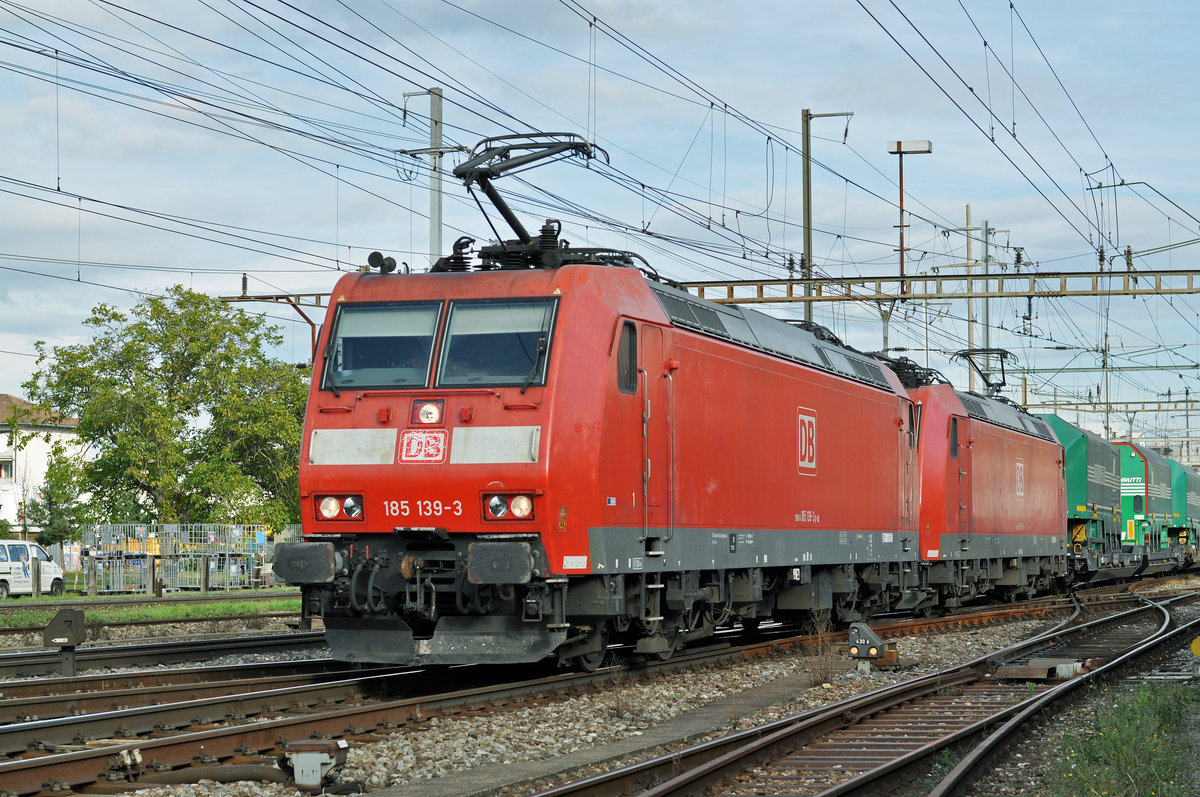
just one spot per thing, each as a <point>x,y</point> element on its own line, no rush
<point>78,768</point>
<point>971,766</point>
<point>30,707</point>
<point>96,602</point>
<point>714,761</point>
<point>78,685</point>
<point>41,662</point>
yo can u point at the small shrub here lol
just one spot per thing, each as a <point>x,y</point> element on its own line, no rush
<point>1138,741</point>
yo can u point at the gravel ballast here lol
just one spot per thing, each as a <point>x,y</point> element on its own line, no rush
<point>518,750</point>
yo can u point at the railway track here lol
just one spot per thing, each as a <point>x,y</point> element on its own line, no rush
<point>29,663</point>
<point>870,743</point>
<point>288,702</point>
<point>243,722</point>
<point>17,605</point>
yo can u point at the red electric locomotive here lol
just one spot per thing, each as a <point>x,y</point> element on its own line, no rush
<point>547,450</point>
<point>993,498</point>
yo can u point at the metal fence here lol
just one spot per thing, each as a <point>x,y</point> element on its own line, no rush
<point>169,557</point>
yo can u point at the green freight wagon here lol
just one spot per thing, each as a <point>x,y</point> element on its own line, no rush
<point>1092,470</point>
<point>1146,506</point>
<point>1183,527</point>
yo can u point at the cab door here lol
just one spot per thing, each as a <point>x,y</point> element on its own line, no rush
<point>960,457</point>
<point>656,464</point>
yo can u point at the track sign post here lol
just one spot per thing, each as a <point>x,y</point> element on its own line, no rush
<point>865,647</point>
<point>67,630</point>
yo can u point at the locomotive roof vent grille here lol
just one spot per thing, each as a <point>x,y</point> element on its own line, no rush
<point>766,334</point>
<point>869,371</point>
<point>1010,417</point>
<point>1040,427</point>
<point>974,408</point>
<point>824,358</point>
<point>709,320</point>
<point>691,315</point>
<point>839,360</point>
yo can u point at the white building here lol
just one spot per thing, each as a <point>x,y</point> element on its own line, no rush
<point>22,471</point>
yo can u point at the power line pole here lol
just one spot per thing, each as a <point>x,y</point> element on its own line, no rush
<point>435,151</point>
<point>970,300</point>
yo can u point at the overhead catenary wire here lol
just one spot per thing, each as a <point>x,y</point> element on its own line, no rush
<point>689,238</point>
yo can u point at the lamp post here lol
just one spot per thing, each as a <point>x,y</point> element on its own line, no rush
<point>900,149</point>
<point>807,271</point>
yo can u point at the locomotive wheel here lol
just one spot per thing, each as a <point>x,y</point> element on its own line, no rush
<point>674,645</point>
<point>589,662</point>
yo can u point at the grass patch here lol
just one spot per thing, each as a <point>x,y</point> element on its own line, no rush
<point>1141,742</point>
<point>32,616</point>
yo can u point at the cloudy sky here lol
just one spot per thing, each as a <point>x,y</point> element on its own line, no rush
<point>190,142</point>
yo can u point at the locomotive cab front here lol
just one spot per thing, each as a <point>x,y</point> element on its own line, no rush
<point>425,468</point>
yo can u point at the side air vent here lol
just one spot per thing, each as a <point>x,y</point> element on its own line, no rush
<point>869,371</point>
<point>764,333</point>
<point>677,310</point>
<point>709,320</point>
<point>974,408</point>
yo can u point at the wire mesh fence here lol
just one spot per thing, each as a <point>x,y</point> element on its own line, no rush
<point>169,557</point>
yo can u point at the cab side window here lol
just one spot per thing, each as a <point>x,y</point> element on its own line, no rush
<point>954,438</point>
<point>627,359</point>
<point>3,554</point>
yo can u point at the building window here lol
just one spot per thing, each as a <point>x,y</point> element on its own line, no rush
<point>6,470</point>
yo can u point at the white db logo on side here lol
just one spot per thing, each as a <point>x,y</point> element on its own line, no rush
<point>807,458</point>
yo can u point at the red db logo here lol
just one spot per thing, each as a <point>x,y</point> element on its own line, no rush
<point>424,445</point>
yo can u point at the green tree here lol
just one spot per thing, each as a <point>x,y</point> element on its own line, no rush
<point>6,529</point>
<point>57,510</point>
<point>185,417</point>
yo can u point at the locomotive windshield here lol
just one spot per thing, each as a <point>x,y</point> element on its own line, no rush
<point>381,346</point>
<point>497,343</point>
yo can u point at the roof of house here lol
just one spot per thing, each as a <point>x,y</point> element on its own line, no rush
<point>7,402</point>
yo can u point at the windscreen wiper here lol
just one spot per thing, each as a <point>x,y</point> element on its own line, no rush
<point>537,361</point>
<point>329,380</point>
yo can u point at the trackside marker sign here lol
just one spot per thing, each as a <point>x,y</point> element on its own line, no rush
<point>806,460</point>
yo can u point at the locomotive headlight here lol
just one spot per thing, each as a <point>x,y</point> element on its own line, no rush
<point>329,507</point>
<point>497,506</point>
<point>427,411</point>
<point>521,506</point>
<point>352,506</point>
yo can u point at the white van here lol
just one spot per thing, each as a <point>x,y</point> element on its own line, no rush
<point>16,570</point>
